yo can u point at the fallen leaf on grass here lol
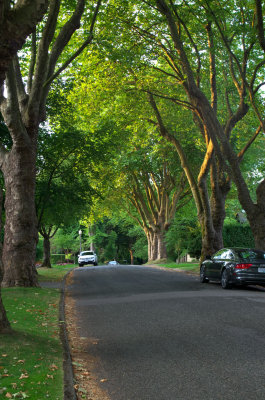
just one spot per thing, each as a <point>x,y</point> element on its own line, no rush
<point>20,395</point>
<point>24,376</point>
<point>50,376</point>
<point>9,395</point>
<point>53,367</point>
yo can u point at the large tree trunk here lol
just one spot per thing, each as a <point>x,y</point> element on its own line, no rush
<point>46,252</point>
<point>131,256</point>
<point>257,225</point>
<point>156,246</point>
<point>212,239</point>
<point>256,216</point>
<point>21,235</point>
<point>161,246</point>
<point>152,245</point>
<point>212,220</point>
<point>4,323</point>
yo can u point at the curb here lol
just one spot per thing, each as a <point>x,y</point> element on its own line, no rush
<point>69,391</point>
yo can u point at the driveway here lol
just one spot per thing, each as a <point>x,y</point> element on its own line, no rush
<point>161,335</point>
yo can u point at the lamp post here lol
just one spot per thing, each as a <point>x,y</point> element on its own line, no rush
<point>80,237</point>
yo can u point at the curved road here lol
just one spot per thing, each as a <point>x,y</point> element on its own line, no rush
<point>161,335</point>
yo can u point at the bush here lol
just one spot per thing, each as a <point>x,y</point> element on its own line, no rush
<point>237,235</point>
<point>57,258</point>
<point>184,237</point>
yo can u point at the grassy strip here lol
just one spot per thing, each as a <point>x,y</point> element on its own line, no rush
<point>31,357</point>
<point>189,267</point>
<point>54,274</point>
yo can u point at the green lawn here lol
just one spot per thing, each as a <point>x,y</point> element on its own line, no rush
<point>31,357</point>
<point>189,267</point>
<point>56,273</point>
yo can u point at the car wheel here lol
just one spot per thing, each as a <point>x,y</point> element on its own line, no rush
<point>225,280</point>
<point>203,278</point>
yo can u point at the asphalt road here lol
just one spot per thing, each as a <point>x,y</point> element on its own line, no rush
<point>161,335</point>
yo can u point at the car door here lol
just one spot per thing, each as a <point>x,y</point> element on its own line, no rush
<point>211,265</point>
<point>219,261</point>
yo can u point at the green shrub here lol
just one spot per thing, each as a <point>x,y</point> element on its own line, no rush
<point>237,235</point>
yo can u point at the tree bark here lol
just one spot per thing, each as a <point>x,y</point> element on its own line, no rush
<point>152,246</point>
<point>15,25</point>
<point>161,245</point>
<point>21,236</point>
<point>131,256</point>
<point>46,252</point>
<point>4,323</point>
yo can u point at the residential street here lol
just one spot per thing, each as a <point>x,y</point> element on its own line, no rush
<point>161,335</point>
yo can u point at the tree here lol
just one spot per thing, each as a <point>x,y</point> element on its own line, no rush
<point>15,25</point>
<point>65,176</point>
<point>246,80</point>
<point>23,110</point>
<point>156,195</point>
<point>236,44</point>
<point>152,68</point>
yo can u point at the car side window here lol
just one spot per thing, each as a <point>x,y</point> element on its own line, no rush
<point>218,255</point>
<point>231,255</point>
<point>228,255</point>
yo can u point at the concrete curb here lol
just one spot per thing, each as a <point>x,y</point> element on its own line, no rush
<point>69,391</point>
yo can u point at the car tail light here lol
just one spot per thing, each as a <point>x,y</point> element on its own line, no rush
<point>243,266</point>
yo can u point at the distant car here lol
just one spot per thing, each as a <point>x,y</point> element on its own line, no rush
<point>114,262</point>
<point>87,257</point>
<point>235,266</point>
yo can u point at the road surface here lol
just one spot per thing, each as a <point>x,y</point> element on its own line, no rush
<point>161,335</point>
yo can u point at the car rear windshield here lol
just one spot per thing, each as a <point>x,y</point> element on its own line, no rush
<point>87,253</point>
<point>251,255</point>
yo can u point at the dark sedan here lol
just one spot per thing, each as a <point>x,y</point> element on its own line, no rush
<point>234,266</point>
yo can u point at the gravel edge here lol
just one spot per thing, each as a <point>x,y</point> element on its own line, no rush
<point>69,391</point>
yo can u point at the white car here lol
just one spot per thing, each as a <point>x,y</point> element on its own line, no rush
<point>87,257</point>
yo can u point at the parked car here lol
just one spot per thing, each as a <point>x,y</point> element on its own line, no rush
<point>234,266</point>
<point>87,257</point>
<point>114,262</point>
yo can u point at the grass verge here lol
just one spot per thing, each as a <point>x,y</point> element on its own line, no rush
<point>54,274</point>
<point>189,267</point>
<point>31,356</point>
